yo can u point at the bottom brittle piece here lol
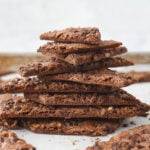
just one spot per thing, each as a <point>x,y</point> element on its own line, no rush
<point>91,127</point>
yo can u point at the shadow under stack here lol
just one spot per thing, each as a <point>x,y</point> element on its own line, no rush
<point>73,92</point>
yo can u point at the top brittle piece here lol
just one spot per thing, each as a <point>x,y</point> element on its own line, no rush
<point>74,35</point>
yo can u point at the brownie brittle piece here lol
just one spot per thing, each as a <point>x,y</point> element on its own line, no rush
<point>96,77</point>
<point>90,127</point>
<point>93,56</point>
<point>67,48</point>
<point>12,106</point>
<point>134,139</point>
<point>117,98</point>
<point>53,66</point>
<point>10,141</point>
<point>74,35</point>
<point>36,85</point>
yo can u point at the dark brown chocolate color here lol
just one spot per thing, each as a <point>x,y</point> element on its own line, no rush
<point>96,77</point>
<point>134,139</point>
<point>19,107</point>
<point>88,57</point>
<point>35,85</point>
<point>6,124</point>
<point>55,66</point>
<point>74,35</point>
<point>117,98</point>
<point>90,127</point>
<point>66,48</point>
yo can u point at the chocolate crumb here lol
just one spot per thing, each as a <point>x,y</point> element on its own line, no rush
<point>125,125</point>
<point>97,139</point>
<point>132,123</point>
<point>74,142</point>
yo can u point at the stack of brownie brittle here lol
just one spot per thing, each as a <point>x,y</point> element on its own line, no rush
<point>72,91</point>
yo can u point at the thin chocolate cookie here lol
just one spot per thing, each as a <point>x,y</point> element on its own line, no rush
<point>90,127</point>
<point>96,77</point>
<point>10,141</point>
<point>74,35</point>
<point>134,139</point>
<point>93,56</point>
<point>67,48</point>
<point>19,107</point>
<point>117,98</point>
<point>55,66</point>
<point>35,85</point>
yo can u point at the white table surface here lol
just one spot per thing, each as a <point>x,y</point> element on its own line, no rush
<point>57,142</point>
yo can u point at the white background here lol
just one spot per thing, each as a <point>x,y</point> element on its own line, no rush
<point>22,21</point>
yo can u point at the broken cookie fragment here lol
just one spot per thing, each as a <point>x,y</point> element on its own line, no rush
<point>91,127</point>
<point>68,48</point>
<point>137,138</point>
<point>55,66</point>
<point>74,35</point>
<point>116,98</point>
<point>12,106</point>
<point>10,141</point>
